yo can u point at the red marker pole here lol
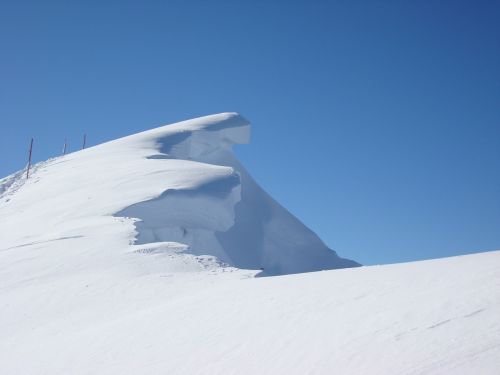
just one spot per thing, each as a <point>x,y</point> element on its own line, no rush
<point>84,141</point>
<point>29,159</point>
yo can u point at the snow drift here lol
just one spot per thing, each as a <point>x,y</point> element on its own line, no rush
<point>228,216</point>
<point>177,184</point>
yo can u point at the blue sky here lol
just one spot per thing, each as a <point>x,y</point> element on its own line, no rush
<point>377,123</point>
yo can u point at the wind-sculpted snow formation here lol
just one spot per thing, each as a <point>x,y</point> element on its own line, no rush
<point>138,256</point>
<point>229,215</point>
<point>180,186</point>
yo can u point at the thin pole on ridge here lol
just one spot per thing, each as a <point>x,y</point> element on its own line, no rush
<point>29,159</point>
<point>64,147</point>
<point>84,141</point>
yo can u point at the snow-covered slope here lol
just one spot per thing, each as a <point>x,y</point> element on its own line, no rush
<point>139,256</point>
<point>432,317</point>
<point>180,183</point>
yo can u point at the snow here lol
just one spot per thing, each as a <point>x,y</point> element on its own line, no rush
<point>177,183</point>
<point>140,256</point>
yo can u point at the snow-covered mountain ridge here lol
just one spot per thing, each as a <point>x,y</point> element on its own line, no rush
<point>139,256</point>
<point>179,184</point>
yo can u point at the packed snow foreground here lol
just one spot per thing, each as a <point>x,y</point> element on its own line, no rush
<point>140,256</point>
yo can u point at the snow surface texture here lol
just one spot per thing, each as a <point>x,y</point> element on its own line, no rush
<point>179,183</point>
<point>139,256</point>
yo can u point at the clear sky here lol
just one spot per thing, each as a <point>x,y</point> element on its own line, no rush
<point>377,123</point>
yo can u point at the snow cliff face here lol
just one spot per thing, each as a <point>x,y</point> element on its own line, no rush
<point>175,187</point>
<point>228,216</point>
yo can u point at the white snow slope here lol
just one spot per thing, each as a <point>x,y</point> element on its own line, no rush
<point>139,256</point>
